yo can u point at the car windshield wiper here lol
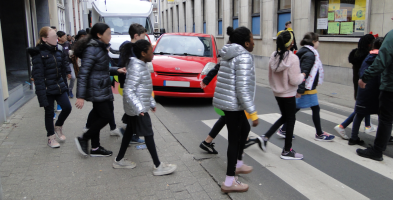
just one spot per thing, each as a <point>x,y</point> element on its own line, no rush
<point>186,54</point>
<point>117,33</point>
<point>162,53</point>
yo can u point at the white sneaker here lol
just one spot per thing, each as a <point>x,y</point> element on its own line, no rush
<point>85,129</point>
<point>115,132</point>
<point>341,132</point>
<point>164,169</point>
<point>123,164</point>
<point>52,141</point>
<point>370,130</point>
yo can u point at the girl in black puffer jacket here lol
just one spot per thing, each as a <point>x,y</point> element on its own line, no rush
<point>94,84</point>
<point>49,73</point>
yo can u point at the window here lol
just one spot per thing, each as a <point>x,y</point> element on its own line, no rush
<point>256,17</point>
<point>220,16</point>
<point>156,19</point>
<point>183,45</point>
<point>120,25</point>
<point>340,18</point>
<point>204,15</point>
<point>284,13</point>
<point>162,17</point>
<point>235,13</point>
<point>178,16</point>
<point>185,17</point>
<point>172,15</point>
<point>167,21</point>
<point>193,16</point>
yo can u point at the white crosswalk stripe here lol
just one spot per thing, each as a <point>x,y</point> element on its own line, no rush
<point>308,180</point>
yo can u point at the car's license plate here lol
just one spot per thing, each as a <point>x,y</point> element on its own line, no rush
<point>177,83</point>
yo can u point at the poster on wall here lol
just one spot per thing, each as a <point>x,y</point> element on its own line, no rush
<point>331,16</point>
<point>334,5</point>
<point>360,4</point>
<point>358,14</point>
<point>359,25</point>
<point>323,10</point>
<point>346,28</point>
<point>322,23</point>
<point>340,15</point>
<point>334,28</point>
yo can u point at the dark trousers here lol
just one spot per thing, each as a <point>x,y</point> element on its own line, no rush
<point>367,120</point>
<point>357,120</point>
<point>238,130</point>
<point>99,117</point>
<point>385,120</point>
<point>112,122</point>
<point>217,127</point>
<point>64,102</point>
<point>288,115</point>
<point>315,118</point>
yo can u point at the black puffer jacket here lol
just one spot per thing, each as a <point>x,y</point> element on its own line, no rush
<point>307,59</point>
<point>49,71</point>
<point>94,82</point>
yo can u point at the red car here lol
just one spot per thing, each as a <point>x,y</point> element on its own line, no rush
<point>181,61</point>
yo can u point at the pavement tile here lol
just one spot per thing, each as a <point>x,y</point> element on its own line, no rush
<point>182,195</point>
<point>200,195</point>
<point>194,188</point>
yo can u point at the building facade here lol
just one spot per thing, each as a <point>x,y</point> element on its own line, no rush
<point>340,24</point>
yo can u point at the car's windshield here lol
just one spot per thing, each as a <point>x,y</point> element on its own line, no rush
<point>120,25</point>
<point>184,45</point>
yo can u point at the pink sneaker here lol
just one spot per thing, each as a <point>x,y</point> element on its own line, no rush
<point>59,133</point>
<point>52,142</point>
<point>244,169</point>
<point>236,186</point>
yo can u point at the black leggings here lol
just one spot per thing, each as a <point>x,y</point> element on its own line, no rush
<point>288,115</point>
<point>238,130</point>
<point>315,118</point>
<point>99,117</point>
<point>217,127</point>
<point>149,140</point>
<point>112,122</point>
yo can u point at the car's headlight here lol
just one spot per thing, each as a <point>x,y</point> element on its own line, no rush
<point>150,67</point>
<point>209,66</point>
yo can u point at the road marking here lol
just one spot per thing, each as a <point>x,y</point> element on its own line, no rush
<point>308,180</point>
<point>339,147</point>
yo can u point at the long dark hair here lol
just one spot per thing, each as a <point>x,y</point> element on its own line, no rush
<point>81,44</point>
<point>239,36</point>
<point>127,49</point>
<point>282,39</point>
<point>364,45</point>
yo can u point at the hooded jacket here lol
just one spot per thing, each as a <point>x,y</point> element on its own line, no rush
<point>235,88</point>
<point>138,88</point>
<point>49,71</point>
<point>284,76</point>
<point>94,82</point>
<point>307,60</point>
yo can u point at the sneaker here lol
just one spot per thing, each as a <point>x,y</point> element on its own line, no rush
<point>244,169</point>
<point>370,153</point>
<point>249,142</point>
<point>262,142</point>
<point>236,186</point>
<point>54,117</point>
<point>100,152</point>
<point>209,147</point>
<point>282,134</point>
<point>324,137</point>
<point>70,94</point>
<point>84,130</point>
<point>341,132</point>
<point>164,169</point>
<point>81,144</point>
<point>355,142</point>
<point>291,155</point>
<point>59,108</point>
<point>52,142</point>
<point>136,140</point>
<point>59,133</point>
<point>370,129</point>
<point>123,164</point>
<point>115,132</point>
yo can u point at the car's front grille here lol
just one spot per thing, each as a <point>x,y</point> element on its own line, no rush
<point>177,89</point>
<point>177,74</point>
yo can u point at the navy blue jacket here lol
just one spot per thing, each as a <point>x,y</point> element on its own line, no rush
<point>307,60</point>
<point>367,99</point>
<point>50,67</point>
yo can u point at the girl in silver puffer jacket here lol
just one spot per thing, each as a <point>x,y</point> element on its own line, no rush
<point>138,100</point>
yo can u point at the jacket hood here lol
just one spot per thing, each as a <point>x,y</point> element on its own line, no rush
<point>284,64</point>
<point>370,58</point>
<point>230,51</point>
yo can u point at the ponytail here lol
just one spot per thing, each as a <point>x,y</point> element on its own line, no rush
<point>281,42</point>
<point>126,50</point>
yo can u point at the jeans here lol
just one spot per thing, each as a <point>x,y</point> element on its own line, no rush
<point>385,121</point>
<point>349,120</point>
<point>217,127</point>
<point>99,117</point>
<point>357,120</point>
<point>315,118</point>
<point>288,115</point>
<point>112,122</point>
<point>238,130</point>
<point>72,80</point>
<point>64,102</point>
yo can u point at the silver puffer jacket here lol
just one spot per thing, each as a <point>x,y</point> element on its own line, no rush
<point>138,88</point>
<point>235,89</point>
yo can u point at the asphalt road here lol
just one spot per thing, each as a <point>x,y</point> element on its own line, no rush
<point>330,170</point>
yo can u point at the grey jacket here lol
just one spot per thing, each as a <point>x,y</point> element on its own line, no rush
<point>235,89</point>
<point>138,88</point>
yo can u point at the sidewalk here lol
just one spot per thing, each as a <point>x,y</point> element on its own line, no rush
<point>29,169</point>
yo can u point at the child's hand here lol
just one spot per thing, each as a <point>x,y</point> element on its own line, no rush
<point>69,76</point>
<point>154,109</point>
<point>79,103</point>
<point>255,123</point>
<point>122,70</point>
<point>142,114</point>
<point>203,85</point>
<point>298,95</point>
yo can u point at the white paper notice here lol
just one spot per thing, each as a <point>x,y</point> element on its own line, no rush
<point>322,23</point>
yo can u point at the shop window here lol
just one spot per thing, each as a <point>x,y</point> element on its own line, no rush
<point>235,13</point>
<point>340,18</point>
<point>220,16</point>
<point>256,17</point>
<point>284,14</point>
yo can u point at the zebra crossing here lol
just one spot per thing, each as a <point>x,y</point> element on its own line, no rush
<point>307,179</point>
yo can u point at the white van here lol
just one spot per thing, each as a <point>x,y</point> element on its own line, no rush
<point>119,15</point>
